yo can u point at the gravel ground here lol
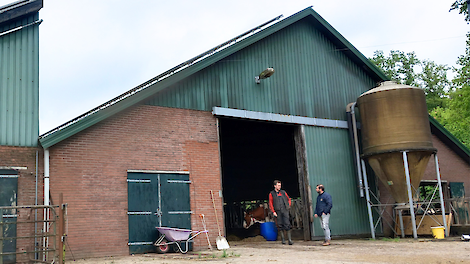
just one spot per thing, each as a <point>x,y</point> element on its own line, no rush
<point>450,250</point>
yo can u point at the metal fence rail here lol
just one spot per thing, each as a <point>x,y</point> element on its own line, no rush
<point>26,236</point>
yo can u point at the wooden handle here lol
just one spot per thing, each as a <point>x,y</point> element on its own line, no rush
<point>215,210</point>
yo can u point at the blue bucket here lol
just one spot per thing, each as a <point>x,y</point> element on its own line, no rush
<point>269,231</point>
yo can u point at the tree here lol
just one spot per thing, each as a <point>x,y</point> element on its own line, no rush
<point>406,68</point>
<point>456,117</point>
<point>433,79</point>
<point>463,6</point>
<point>448,100</point>
<point>399,66</point>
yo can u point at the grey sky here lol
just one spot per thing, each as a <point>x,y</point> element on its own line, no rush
<point>92,51</point>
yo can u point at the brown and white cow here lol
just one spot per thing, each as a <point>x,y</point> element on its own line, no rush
<point>260,214</point>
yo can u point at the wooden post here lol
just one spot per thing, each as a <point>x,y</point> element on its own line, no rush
<point>304,186</point>
<point>61,228</point>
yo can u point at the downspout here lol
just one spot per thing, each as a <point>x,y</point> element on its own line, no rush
<point>36,203</point>
<point>46,193</point>
<point>353,126</point>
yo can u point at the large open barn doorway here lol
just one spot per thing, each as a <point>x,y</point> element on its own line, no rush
<point>253,155</point>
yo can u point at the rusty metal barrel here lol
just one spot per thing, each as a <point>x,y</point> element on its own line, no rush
<point>394,119</point>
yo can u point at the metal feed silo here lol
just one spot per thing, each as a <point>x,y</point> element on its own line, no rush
<point>394,119</point>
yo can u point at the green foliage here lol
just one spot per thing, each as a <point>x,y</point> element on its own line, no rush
<point>396,239</point>
<point>406,68</point>
<point>224,254</point>
<point>433,79</point>
<point>448,101</point>
<point>454,120</point>
<point>463,69</point>
<point>462,6</point>
<point>426,192</point>
<point>399,66</point>
<point>456,116</point>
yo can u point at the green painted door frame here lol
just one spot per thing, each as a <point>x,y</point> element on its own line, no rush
<point>156,199</point>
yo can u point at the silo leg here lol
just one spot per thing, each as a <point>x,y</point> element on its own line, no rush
<point>410,197</point>
<point>441,196</point>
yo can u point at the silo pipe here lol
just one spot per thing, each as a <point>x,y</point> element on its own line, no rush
<point>350,110</point>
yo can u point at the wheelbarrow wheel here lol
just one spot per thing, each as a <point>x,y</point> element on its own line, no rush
<point>164,247</point>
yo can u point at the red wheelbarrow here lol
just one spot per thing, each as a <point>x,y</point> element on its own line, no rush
<point>176,236</point>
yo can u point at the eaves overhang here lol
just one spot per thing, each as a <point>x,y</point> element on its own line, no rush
<point>18,9</point>
<point>157,84</point>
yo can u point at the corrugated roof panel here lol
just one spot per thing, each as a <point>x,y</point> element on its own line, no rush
<point>258,61</point>
<point>19,83</point>
<point>331,164</point>
<point>312,78</point>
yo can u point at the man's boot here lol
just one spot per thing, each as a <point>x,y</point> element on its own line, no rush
<point>282,236</point>
<point>289,236</point>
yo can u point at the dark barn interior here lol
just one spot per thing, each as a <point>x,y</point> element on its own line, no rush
<point>253,155</point>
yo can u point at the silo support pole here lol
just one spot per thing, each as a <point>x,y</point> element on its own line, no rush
<point>441,195</point>
<point>400,218</point>
<point>410,197</point>
<point>369,209</point>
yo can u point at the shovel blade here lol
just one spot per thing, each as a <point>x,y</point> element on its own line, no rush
<point>222,243</point>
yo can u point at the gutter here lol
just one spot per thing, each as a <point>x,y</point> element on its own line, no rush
<point>21,27</point>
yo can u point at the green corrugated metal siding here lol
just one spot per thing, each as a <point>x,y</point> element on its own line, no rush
<point>19,84</point>
<point>312,78</point>
<point>330,163</point>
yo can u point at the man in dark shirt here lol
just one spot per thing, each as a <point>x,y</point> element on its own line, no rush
<point>322,209</point>
<point>279,204</point>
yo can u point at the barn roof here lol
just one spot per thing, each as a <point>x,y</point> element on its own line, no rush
<point>185,69</point>
<point>189,67</point>
<point>18,9</point>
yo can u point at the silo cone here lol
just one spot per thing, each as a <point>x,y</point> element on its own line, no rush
<point>394,119</point>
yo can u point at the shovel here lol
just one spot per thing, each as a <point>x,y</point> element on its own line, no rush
<point>220,241</point>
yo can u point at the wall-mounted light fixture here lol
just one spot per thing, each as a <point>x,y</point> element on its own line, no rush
<point>265,74</point>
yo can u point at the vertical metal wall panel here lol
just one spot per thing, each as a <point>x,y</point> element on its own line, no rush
<point>312,78</point>
<point>19,84</point>
<point>330,163</point>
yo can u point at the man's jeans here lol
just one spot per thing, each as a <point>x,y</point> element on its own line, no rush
<point>325,224</point>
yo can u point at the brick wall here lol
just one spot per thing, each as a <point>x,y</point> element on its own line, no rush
<point>452,168</point>
<point>25,157</point>
<point>90,169</point>
<point>205,177</point>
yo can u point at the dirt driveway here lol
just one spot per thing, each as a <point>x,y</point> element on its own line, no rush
<point>449,251</point>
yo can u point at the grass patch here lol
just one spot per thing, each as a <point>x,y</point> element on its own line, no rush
<point>396,239</point>
<point>223,254</point>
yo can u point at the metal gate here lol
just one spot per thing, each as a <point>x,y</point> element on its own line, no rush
<point>156,199</point>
